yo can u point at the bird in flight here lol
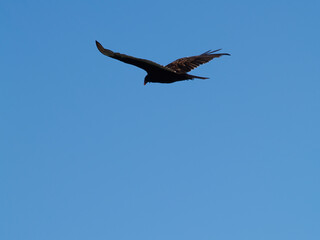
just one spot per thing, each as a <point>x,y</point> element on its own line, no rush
<point>173,72</point>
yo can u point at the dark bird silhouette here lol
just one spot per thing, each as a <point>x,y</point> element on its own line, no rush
<point>173,72</point>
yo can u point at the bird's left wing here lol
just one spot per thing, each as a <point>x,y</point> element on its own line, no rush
<point>186,64</point>
<point>147,65</point>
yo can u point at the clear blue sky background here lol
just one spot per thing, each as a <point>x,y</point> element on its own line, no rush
<point>88,152</point>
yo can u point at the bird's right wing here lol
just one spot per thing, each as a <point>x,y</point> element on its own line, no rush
<point>186,64</point>
<point>147,65</point>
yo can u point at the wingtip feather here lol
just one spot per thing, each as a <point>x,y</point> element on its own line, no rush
<point>99,46</point>
<point>104,51</point>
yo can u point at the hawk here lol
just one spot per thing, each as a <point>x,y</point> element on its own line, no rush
<point>173,72</point>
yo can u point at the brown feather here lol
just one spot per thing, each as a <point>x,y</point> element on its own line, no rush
<point>186,64</point>
<point>145,64</point>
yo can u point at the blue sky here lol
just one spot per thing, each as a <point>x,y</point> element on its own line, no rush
<point>89,152</point>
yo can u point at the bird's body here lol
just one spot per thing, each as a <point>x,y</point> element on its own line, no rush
<point>168,77</point>
<point>173,72</point>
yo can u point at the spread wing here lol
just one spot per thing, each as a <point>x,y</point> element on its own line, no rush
<point>147,65</point>
<point>186,64</point>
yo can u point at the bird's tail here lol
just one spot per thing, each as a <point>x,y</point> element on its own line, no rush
<point>192,76</point>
